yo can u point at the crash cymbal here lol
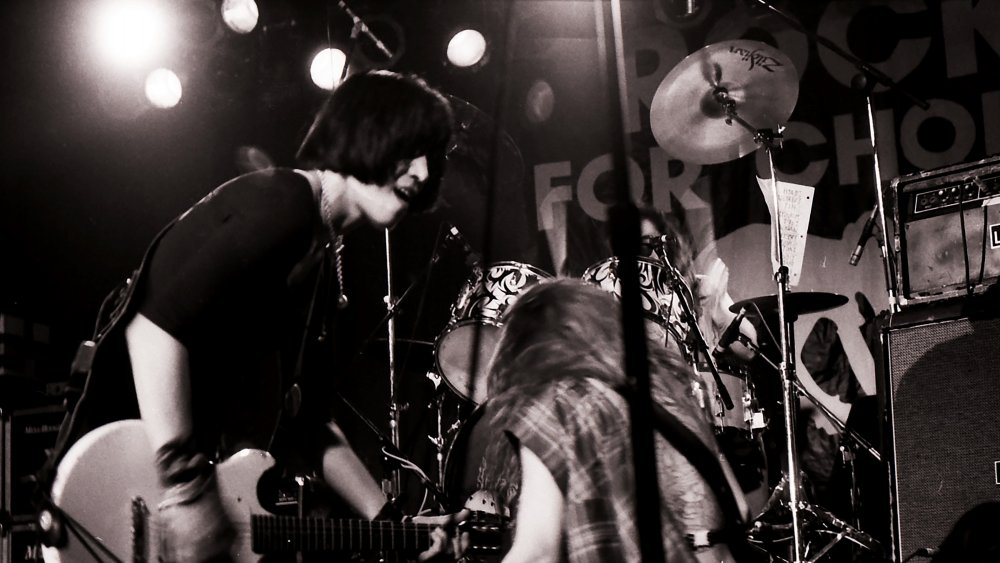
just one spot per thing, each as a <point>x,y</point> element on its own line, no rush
<point>476,136</point>
<point>687,115</point>
<point>796,303</point>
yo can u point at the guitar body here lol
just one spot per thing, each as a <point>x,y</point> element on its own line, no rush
<point>107,491</point>
<point>109,470</point>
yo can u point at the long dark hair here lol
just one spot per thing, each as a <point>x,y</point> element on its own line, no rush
<point>679,244</point>
<point>375,120</point>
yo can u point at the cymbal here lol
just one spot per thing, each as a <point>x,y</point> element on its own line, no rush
<point>796,304</point>
<point>688,118</point>
<point>476,136</point>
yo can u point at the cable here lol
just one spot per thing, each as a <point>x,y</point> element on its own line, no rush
<point>965,240</point>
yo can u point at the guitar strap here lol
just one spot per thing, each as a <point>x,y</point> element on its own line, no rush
<point>705,461</point>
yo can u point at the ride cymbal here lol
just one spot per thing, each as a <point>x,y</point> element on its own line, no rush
<point>796,303</point>
<point>689,116</point>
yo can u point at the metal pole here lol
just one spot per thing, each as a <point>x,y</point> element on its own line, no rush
<point>787,369</point>
<point>390,303</point>
<point>887,264</point>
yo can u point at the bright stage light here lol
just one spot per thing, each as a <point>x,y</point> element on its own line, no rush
<point>240,15</point>
<point>131,33</point>
<point>466,48</point>
<point>163,88</point>
<point>327,67</point>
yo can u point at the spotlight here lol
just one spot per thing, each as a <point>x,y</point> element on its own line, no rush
<point>327,67</point>
<point>131,33</point>
<point>240,15</point>
<point>163,88</point>
<point>539,102</point>
<point>467,48</point>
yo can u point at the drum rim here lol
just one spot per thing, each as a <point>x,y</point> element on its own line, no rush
<point>641,259</point>
<point>522,265</point>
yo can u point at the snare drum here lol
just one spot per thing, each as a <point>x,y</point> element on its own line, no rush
<point>480,305</point>
<point>745,416</point>
<point>659,302</point>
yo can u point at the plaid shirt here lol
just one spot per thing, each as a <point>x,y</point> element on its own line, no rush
<point>579,428</point>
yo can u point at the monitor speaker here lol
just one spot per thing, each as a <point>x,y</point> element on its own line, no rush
<point>943,424</point>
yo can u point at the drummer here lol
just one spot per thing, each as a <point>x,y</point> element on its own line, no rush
<point>710,292</point>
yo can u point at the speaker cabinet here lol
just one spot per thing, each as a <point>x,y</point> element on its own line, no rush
<point>943,424</point>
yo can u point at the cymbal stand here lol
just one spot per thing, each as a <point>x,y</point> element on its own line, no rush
<point>790,386</point>
<point>770,140</point>
<point>846,530</point>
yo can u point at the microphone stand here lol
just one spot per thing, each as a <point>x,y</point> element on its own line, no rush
<point>869,75</point>
<point>390,303</point>
<point>684,298</point>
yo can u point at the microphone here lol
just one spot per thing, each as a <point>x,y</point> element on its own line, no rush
<point>866,233</point>
<point>655,242</point>
<point>453,234</point>
<point>731,334</point>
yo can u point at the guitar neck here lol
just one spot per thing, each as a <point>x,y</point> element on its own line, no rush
<point>287,534</point>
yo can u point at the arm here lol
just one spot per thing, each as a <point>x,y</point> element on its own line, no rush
<point>193,523</point>
<point>344,472</point>
<point>539,515</point>
<point>162,385</point>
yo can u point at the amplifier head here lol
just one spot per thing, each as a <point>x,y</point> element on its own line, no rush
<point>947,240</point>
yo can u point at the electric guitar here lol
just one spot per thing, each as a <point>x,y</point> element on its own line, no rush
<point>106,493</point>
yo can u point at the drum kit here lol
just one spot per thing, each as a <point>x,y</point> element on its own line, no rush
<point>719,104</point>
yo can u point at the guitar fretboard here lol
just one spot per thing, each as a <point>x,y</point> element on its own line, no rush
<point>285,534</point>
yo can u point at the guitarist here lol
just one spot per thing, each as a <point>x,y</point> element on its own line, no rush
<point>223,284</point>
<point>561,456</point>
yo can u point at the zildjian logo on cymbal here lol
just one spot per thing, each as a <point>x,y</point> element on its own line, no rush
<point>756,58</point>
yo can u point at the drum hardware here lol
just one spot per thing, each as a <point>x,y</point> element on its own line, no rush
<point>755,87</point>
<point>393,307</point>
<point>393,458</point>
<point>801,303</point>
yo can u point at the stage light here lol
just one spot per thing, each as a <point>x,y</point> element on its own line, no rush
<point>467,48</point>
<point>131,33</point>
<point>539,102</point>
<point>163,88</point>
<point>240,15</point>
<point>327,67</point>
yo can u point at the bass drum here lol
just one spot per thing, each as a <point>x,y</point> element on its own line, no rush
<point>481,303</point>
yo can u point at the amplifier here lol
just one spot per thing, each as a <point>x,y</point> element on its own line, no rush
<point>947,240</point>
<point>941,394</point>
<point>28,438</point>
<point>20,544</point>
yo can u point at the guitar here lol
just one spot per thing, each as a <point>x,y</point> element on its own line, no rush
<point>106,492</point>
